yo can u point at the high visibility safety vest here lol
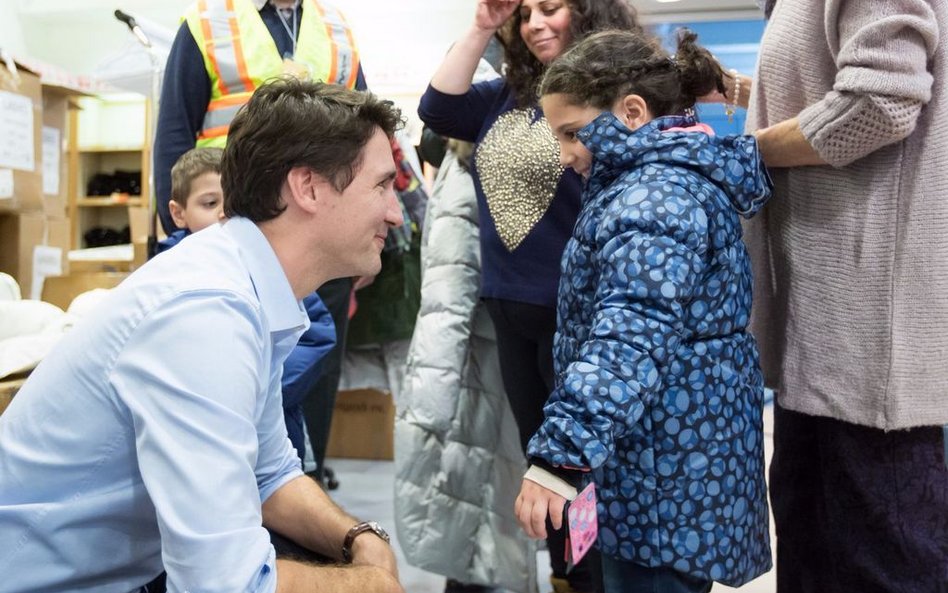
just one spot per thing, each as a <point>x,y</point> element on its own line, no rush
<point>240,54</point>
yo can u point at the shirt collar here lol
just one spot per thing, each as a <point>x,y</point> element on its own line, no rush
<point>283,310</point>
<point>259,4</point>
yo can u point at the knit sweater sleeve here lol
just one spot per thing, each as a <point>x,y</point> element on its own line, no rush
<point>882,51</point>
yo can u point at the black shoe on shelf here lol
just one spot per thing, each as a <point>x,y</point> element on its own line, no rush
<point>453,586</point>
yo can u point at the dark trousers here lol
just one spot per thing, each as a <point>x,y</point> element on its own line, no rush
<point>620,576</point>
<point>857,509</point>
<point>318,403</point>
<point>525,346</point>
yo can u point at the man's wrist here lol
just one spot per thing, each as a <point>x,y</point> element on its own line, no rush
<point>357,530</point>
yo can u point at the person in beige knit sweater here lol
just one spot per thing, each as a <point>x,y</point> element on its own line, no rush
<point>849,105</point>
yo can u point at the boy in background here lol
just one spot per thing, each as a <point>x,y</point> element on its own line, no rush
<point>197,202</point>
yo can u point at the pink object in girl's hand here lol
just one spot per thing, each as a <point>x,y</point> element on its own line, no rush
<point>583,524</point>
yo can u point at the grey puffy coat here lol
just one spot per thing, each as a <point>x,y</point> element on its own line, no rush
<point>458,463</point>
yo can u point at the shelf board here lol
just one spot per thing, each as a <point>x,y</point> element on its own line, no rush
<point>113,200</point>
<point>98,149</point>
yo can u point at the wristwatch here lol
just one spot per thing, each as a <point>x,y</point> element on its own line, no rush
<point>358,529</point>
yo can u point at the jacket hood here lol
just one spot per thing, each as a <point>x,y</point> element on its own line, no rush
<point>732,163</point>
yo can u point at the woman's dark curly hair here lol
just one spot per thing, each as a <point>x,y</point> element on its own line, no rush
<point>611,64</point>
<point>523,70</point>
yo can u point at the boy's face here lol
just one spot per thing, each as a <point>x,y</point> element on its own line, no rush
<point>204,205</point>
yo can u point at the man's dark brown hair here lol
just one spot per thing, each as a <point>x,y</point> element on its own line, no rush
<point>292,123</point>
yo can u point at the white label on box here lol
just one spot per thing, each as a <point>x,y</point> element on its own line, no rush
<point>52,149</point>
<point>47,261</point>
<point>6,184</point>
<point>16,132</point>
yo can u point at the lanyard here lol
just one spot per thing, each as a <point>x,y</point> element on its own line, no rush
<point>289,31</point>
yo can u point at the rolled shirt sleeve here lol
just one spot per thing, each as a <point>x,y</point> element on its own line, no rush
<point>882,51</point>
<point>209,437</point>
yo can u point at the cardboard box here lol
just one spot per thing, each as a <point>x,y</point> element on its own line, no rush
<point>363,425</point>
<point>20,233</point>
<point>56,104</point>
<point>61,290</point>
<point>21,178</point>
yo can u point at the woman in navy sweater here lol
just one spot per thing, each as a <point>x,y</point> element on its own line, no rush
<point>528,205</point>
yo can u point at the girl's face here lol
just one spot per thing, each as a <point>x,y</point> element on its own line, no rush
<point>565,120</point>
<point>544,28</point>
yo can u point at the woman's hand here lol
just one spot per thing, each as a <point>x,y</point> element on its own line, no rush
<point>492,14</point>
<point>730,84</point>
<point>534,504</point>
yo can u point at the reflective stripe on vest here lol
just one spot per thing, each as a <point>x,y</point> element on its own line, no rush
<point>240,54</point>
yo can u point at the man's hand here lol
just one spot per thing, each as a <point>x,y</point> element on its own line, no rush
<point>532,506</point>
<point>370,550</point>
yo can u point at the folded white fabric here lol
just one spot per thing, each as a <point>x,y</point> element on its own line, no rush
<point>9,289</point>
<point>28,330</point>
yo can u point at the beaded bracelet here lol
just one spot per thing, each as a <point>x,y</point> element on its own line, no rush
<point>731,107</point>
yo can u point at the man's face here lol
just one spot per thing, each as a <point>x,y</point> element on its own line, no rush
<point>359,218</point>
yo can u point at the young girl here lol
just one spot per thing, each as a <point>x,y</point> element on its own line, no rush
<point>527,204</point>
<point>659,395</point>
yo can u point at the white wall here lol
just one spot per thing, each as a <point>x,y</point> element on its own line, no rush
<point>11,31</point>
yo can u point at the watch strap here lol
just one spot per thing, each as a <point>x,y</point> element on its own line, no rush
<point>355,531</point>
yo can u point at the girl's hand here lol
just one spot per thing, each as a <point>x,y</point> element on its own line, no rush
<point>491,14</point>
<point>534,504</point>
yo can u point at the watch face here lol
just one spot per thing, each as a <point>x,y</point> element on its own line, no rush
<point>379,531</point>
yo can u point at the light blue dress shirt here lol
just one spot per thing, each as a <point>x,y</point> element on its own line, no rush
<point>148,439</point>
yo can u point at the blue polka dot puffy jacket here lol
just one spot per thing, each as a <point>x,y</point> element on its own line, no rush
<point>659,392</point>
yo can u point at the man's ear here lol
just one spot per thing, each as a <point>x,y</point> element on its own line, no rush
<point>304,188</point>
<point>177,214</point>
<point>633,111</point>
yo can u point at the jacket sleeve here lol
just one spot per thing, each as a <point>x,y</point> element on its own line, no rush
<point>459,116</point>
<point>882,50</point>
<point>302,366</point>
<point>649,262</point>
<point>185,93</point>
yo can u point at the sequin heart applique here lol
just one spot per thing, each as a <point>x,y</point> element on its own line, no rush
<point>518,162</point>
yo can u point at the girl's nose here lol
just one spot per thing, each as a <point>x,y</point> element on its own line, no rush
<point>566,159</point>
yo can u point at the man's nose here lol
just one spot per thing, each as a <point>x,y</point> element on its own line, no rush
<point>394,216</point>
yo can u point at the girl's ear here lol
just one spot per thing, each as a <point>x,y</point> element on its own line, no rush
<point>633,111</point>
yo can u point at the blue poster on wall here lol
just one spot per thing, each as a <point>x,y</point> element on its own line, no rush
<point>735,44</point>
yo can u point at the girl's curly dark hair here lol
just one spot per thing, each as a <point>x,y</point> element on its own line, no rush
<point>523,70</point>
<point>611,64</point>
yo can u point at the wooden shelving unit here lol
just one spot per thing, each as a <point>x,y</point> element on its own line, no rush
<point>106,134</point>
